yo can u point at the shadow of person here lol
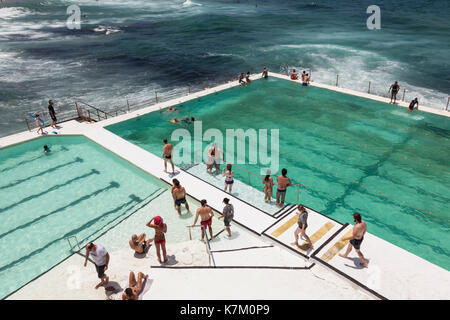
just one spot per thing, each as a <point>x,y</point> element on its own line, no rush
<point>171,260</point>
<point>171,175</point>
<point>112,288</point>
<point>356,263</point>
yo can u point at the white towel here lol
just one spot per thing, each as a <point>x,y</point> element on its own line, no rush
<point>145,287</point>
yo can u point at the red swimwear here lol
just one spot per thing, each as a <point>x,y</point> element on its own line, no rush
<point>160,241</point>
<point>206,223</point>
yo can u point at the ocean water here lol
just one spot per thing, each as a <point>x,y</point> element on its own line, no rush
<point>130,49</point>
<point>352,153</point>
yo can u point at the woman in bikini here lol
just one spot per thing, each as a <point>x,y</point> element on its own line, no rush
<point>139,244</point>
<point>228,174</point>
<point>268,187</point>
<point>160,239</point>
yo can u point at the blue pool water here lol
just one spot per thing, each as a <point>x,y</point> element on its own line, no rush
<point>79,189</point>
<point>354,154</point>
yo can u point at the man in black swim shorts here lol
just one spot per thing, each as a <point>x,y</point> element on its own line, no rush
<point>357,238</point>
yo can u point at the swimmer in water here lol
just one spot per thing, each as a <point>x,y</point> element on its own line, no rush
<point>46,149</point>
<point>188,120</point>
<point>175,120</point>
<point>171,109</point>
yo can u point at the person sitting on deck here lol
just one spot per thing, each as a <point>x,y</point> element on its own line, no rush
<point>134,287</point>
<point>139,244</point>
<point>294,75</point>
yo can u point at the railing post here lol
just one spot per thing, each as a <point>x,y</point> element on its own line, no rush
<point>128,105</point>
<point>403,98</point>
<point>448,100</point>
<point>28,125</point>
<point>287,70</point>
<point>156,96</point>
<point>368,91</point>
<point>337,80</point>
<point>189,89</point>
<point>98,115</point>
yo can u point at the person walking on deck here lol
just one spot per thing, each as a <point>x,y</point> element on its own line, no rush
<point>302,225</point>
<point>167,155</point>
<point>356,238</point>
<point>179,196</point>
<point>283,183</point>
<point>268,187</point>
<point>38,122</point>
<point>206,214</point>
<point>160,239</point>
<point>52,113</point>
<point>101,261</point>
<point>394,89</point>
<point>227,215</point>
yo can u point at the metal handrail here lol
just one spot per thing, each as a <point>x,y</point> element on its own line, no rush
<point>70,244</point>
<point>208,248</point>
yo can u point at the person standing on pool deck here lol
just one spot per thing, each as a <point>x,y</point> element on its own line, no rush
<point>268,187</point>
<point>101,261</point>
<point>206,214</point>
<point>241,79</point>
<point>357,238</point>
<point>283,183</point>
<point>52,113</point>
<point>413,103</point>
<point>227,215</point>
<point>179,196</point>
<point>214,158</point>
<point>167,155</point>
<point>395,88</point>
<point>228,174</point>
<point>265,73</point>
<point>160,239</point>
<point>38,123</point>
<point>247,77</point>
<point>302,225</point>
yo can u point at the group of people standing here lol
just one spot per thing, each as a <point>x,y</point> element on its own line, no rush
<point>305,77</point>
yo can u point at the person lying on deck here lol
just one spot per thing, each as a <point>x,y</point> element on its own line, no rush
<point>134,287</point>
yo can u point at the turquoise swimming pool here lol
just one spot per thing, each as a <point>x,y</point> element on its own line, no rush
<point>354,154</point>
<point>78,189</point>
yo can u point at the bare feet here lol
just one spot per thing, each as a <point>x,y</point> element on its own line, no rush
<point>342,255</point>
<point>363,264</point>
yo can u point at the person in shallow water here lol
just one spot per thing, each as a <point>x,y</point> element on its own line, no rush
<point>394,89</point>
<point>46,149</point>
<point>283,183</point>
<point>227,215</point>
<point>356,238</point>
<point>228,174</point>
<point>179,196</point>
<point>160,239</point>
<point>247,77</point>
<point>413,103</point>
<point>134,287</point>
<point>268,187</point>
<point>167,155</point>
<point>139,244</point>
<point>294,75</point>
<point>241,79</point>
<point>302,225</point>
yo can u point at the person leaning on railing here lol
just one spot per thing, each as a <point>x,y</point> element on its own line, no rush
<point>283,182</point>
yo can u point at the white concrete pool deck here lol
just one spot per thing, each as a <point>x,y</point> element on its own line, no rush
<point>403,275</point>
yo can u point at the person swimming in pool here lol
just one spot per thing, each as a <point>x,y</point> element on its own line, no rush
<point>228,174</point>
<point>46,149</point>
<point>139,244</point>
<point>174,121</point>
<point>188,120</point>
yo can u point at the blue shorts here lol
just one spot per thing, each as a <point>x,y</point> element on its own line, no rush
<point>178,202</point>
<point>229,182</point>
<point>304,84</point>
<point>281,191</point>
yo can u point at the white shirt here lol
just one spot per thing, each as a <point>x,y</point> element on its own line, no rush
<point>99,255</point>
<point>217,158</point>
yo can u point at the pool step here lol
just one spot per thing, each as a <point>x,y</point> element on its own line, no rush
<point>316,236</point>
<point>283,210</point>
<point>327,256</point>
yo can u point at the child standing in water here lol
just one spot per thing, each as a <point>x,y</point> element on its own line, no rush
<point>160,239</point>
<point>268,187</point>
<point>228,174</point>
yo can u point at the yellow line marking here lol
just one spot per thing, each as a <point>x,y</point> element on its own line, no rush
<point>327,256</point>
<point>316,236</point>
<point>285,226</point>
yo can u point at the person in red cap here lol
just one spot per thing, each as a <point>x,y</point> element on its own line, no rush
<point>160,239</point>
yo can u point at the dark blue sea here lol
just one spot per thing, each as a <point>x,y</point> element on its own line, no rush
<point>127,50</point>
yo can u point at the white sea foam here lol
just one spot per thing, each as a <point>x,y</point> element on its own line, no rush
<point>8,13</point>
<point>106,30</point>
<point>189,3</point>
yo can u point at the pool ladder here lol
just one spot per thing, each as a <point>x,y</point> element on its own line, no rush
<point>70,244</point>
